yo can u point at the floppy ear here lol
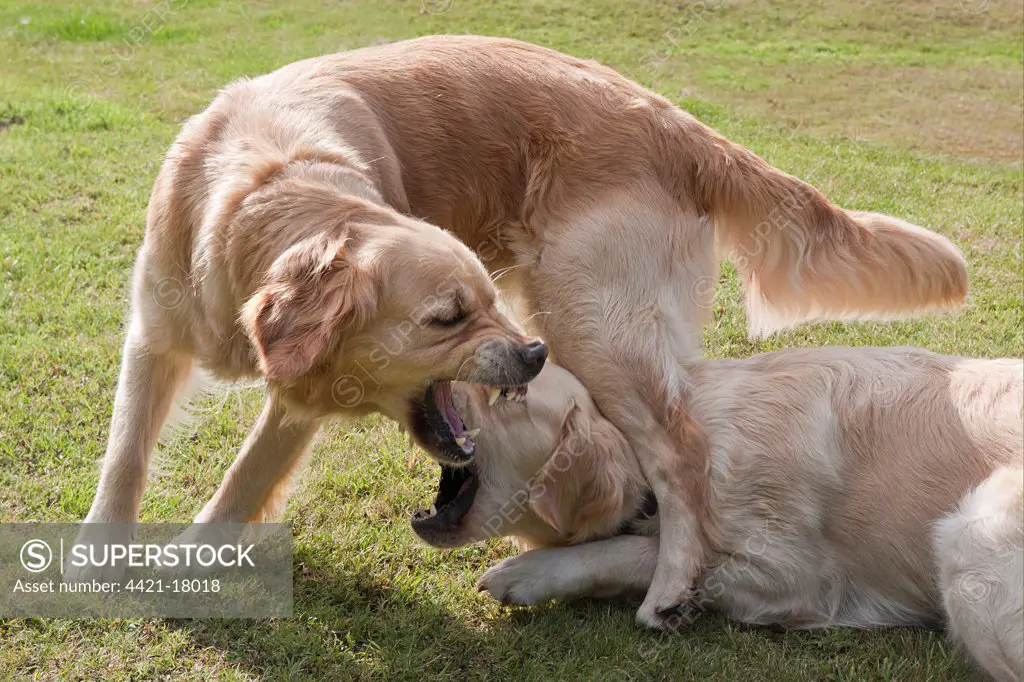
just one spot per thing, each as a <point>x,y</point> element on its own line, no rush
<point>584,488</point>
<point>313,298</point>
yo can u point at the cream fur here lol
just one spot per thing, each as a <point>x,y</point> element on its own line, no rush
<point>604,199</point>
<point>270,252</point>
<point>852,487</point>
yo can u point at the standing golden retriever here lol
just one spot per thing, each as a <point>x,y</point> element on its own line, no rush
<point>607,202</point>
<point>848,487</point>
<point>277,228</point>
<point>272,249</point>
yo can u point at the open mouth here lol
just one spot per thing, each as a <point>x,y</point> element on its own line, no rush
<point>437,425</point>
<point>456,491</point>
<point>452,429</point>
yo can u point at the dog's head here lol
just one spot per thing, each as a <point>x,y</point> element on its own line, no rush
<point>549,468</point>
<point>365,318</point>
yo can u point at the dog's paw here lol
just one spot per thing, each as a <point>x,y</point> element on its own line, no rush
<point>89,556</point>
<point>197,535</point>
<point>519,581</point>
<point>672,600</point>
<point>672,618</point>
<point>670,609</point>
<point>88,573</point>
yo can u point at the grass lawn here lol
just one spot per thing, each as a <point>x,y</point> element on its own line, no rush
<point>911,108</point>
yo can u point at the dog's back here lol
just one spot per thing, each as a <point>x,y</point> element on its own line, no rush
<point>832,469</point>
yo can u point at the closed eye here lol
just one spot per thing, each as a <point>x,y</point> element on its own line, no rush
<point>448,321</point>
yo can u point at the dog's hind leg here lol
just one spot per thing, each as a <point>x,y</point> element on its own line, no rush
<point>980,553</point>
<point>625,287</point>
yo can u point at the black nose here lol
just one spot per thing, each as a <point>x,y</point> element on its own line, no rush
<point>534,354</point>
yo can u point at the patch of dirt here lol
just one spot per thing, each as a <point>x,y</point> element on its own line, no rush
<point>975,113</point>
<point>969,109</point>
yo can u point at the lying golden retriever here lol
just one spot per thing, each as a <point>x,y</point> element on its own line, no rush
<point>848,487</point>
<point>604,202</point>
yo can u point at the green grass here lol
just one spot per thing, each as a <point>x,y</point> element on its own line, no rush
<point>908,108</point>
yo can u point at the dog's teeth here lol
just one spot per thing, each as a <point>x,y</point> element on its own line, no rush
<point>460,441</point>
<point>432,512</point>
<point>473,434</point>
<point>495,393</point>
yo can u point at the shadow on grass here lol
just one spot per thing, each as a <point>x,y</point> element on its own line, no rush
<point>348,625</point>
<point>345,625</point>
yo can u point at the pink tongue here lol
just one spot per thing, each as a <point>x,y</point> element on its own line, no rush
<point>443,400</point>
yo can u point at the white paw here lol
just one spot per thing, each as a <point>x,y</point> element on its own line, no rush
<point>668,609</point>
<point>88,557</point>
<point>196,535</point>
<point>89,573</point>
<point>519,580</point>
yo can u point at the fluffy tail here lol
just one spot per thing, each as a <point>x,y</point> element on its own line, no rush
<point>803,258</point>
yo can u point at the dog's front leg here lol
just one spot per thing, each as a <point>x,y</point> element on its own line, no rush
<point>675,469</point>
<point>256,486</point>
<point>146,389</point>
<point>617,567</point>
